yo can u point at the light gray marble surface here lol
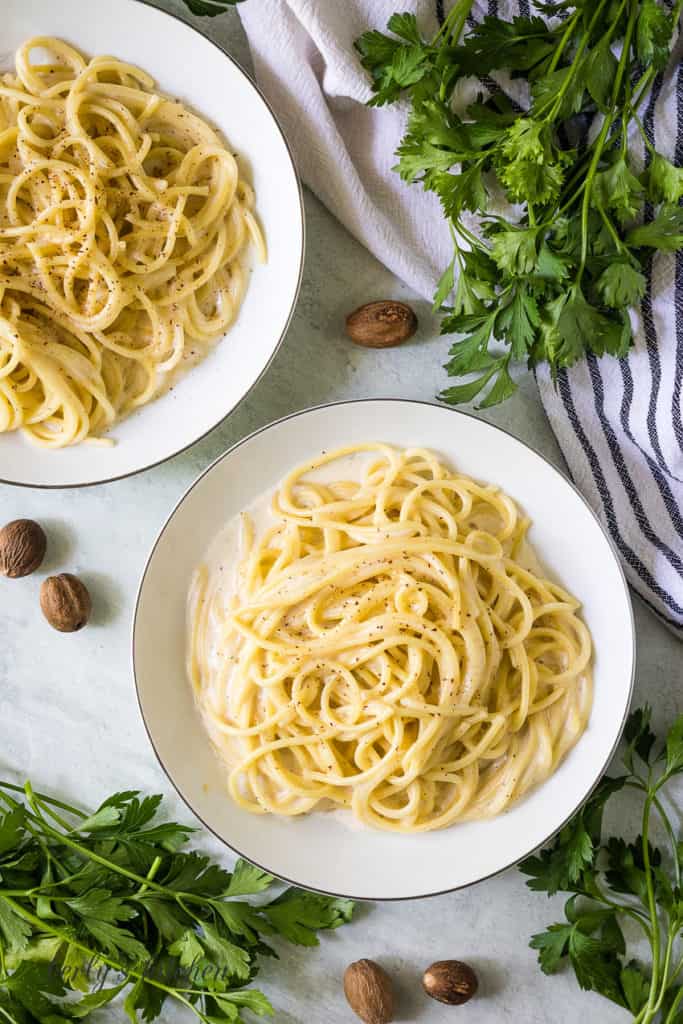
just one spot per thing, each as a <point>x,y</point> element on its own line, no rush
<point>68,715</point>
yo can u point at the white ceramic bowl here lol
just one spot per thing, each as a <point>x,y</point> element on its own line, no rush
<point>318,851</point>
<point>191,67</point>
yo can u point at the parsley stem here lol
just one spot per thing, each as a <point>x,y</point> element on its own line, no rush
<point>66,937</point>
<point>145,883</point>
<point>670,1018</point>
<point>112,866</point>
<point>575,67</point>
<point>642,87</point>
<point>49,854</point>
<point>676,971</point>
<point>566,35</point>
<point>191,913</point>
<point>156,864</point>
<point>41,796</point>
<point>600,142</point>
<point>671,837</point>
<point>466,234</point>
<point>455,21</point>
<point>576,177</point>
<point>651,903</point>
<point>579,172</point>
<point>37,807</point>
<point>665,970</point>
<point>96,956</point>
<point>634,915</point>
<point>636,782</point>
<point>610,227</point>
<point>678,968</point>
<point>641,128</point>
<point>625,116</point>
<point>638,916</point>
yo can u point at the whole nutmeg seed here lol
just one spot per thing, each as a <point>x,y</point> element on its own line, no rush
<point>368,991</point>
<point>450,981</point>
<point>381,324</point>
<point>65,602</point>
<point>22,548</point>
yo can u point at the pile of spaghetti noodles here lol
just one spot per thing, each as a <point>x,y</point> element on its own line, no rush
<point>391,646</point>
<point>123,220</point>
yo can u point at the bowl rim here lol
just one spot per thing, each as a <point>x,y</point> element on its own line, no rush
<point>295,298</point>
<point>405,401</point>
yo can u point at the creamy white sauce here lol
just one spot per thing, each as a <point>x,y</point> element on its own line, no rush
<point>224,554</point>
<point>222,562</point>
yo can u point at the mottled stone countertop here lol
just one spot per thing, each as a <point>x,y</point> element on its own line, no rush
<point>68,714</point>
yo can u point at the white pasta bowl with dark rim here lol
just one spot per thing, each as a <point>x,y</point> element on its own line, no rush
<point>196,71</point>
<point>325,851</point>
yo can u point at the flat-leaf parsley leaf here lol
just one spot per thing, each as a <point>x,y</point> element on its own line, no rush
<point>613,882</point>
<point>102,905</point>
<point>571,257</point>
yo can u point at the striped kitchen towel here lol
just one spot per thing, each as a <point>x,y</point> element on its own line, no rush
<point>619,424</point>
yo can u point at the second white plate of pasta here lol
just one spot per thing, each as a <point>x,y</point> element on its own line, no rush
<point>383,649</point>
<point>151,239</point>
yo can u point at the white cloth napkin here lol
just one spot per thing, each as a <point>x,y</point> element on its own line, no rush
<point>619,424</point>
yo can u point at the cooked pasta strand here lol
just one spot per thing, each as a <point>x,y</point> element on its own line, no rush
<point>390,646</point>
<point>124,225</point>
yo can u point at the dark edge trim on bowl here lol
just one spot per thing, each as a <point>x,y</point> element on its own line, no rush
<point>288,321</point>
<point>410,401</point>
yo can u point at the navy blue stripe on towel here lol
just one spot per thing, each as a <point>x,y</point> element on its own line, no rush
<point>659,477</point>
<point>651,340</point>
<point>639,513</point>
<point>674,623</point>
<point>627,553</point>
<point>678,300</point>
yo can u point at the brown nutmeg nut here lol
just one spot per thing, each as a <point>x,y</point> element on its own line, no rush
<point>65,602</point>
<point>22,547</point>
<point>381,324</point>
<point>368,991</point>
<point>450,981</point>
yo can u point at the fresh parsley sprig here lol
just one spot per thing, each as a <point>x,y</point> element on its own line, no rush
<point>108,905</point>
<point>612,880</point>
<point>555,280</point>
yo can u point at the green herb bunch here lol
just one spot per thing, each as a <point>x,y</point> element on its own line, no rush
<point>109,905</point>
<point>614,882</point>
<point>555,280</point>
